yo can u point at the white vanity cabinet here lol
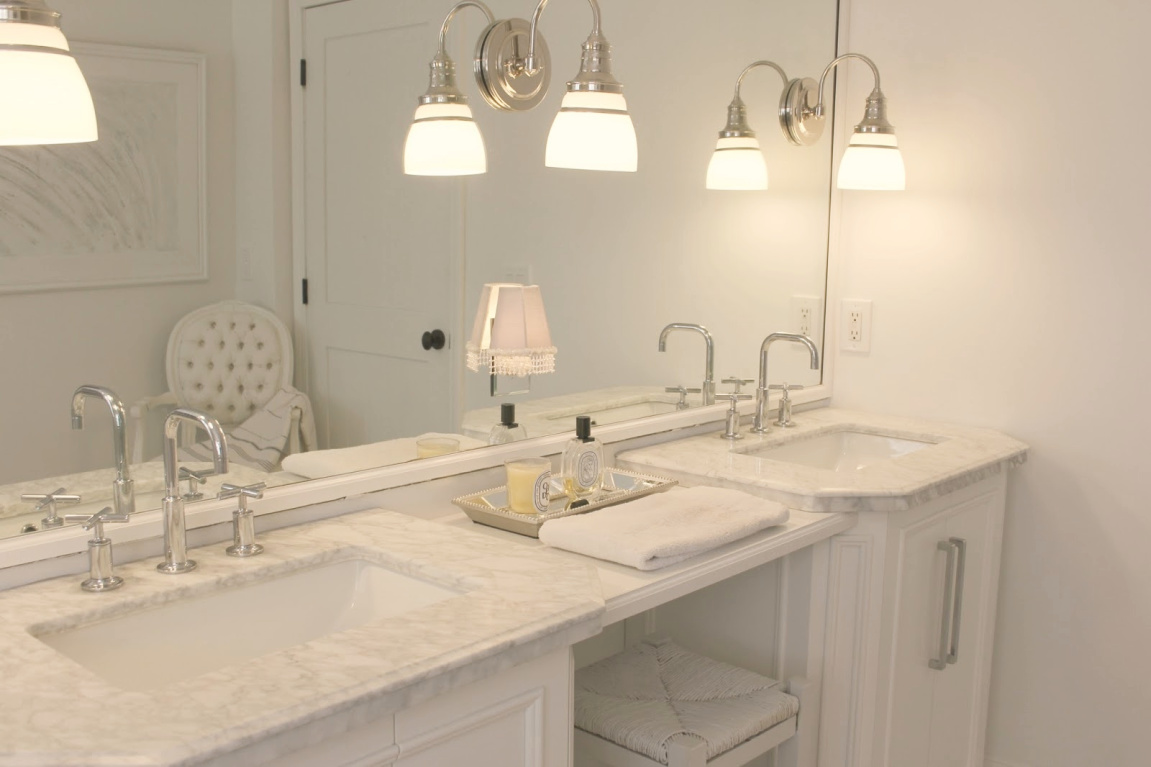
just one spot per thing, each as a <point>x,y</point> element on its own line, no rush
<point>911,618</point>
<point>517,718</point>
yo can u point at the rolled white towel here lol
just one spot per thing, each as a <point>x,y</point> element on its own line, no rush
<point>665,528</point>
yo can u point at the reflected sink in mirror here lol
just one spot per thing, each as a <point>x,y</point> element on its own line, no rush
<point>617,413</point>
<point>840,451</point>
<point>159,646</point>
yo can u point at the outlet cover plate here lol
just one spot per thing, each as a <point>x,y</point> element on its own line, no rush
<point>855,325</point>
<point>807,317</point>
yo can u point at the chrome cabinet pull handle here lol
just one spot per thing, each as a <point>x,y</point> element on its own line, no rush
<point>940,663</point>
<point>957,612</point>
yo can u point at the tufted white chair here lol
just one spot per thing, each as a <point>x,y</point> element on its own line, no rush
<point>228,360</point>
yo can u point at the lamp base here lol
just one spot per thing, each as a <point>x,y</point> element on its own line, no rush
<point>797,112</point>
<point>499,62</point>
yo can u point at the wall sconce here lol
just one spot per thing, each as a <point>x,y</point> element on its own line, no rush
<point>871,161</point>
<point>592,131</point>
<point>510,336</point>
<point>46,99</point>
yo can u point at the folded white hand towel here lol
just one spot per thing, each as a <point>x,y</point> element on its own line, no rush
<point>327,463</point>
<point>665,528</point>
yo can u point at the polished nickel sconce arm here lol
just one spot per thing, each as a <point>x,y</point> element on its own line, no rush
<point>442,88</point>
<point>452,14</point>
<point>531,65</point>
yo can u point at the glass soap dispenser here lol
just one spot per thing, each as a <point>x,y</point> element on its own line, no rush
<point>582,466</point>
<point>507,430</point>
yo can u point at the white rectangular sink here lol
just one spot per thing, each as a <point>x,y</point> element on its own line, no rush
<point>184,639</point>
<point>841,451</point>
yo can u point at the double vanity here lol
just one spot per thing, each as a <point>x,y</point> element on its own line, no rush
<point>386,628</point>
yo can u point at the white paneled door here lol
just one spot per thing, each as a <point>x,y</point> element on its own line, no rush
<point>382,250</point>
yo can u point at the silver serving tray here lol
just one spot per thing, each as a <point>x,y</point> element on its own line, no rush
<point>491,506</point>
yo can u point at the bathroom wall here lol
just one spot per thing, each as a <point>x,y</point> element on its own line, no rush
<point>1010,287</point>
<point>124,329</point>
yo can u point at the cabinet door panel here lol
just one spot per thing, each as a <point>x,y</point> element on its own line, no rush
<point>957,709</point>
<point>922,568</point>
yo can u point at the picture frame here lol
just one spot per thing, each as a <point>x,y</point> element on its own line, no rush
<point>127,209</point>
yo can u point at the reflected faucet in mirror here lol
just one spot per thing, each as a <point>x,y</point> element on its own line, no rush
<point>175,533</point>
<point>709,360</point>
<point>123,494</point>
<point>760,425</point>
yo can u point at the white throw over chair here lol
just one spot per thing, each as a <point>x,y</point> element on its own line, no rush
<point>230,359</point>
<point>660,704</point>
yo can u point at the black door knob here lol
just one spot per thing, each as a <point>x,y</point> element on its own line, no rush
<point>433,339</point>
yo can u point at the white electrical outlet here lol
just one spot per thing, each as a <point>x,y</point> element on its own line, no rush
<point>855,326</point>
<point>807,317</point>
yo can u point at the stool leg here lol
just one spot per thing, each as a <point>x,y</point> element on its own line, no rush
<point>686,751</point>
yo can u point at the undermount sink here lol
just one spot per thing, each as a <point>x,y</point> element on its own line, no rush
<point>622,412</point>
<point>180,640</point>
<point>841,451</point>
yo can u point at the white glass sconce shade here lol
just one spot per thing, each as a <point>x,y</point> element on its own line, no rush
<point>44,98</point>
<point>444,140</point>
<point>592,131</point>
<point>737,164</point>
<point>510,336</point>
<point>872,161</point>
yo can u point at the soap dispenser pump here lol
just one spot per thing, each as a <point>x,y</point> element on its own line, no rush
<point>507,430</point>
<point>582,466</point>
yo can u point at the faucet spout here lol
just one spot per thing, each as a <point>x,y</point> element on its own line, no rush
<point>759,425</point>
<point>123,496</point>
<point>175,532</point>
<point>708,387</point>
<point>171,442</point>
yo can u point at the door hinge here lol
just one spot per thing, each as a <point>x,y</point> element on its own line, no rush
<point>303,72</point>
<point>304,290</point>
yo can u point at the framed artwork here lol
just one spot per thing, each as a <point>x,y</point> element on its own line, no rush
<point>127,209</point>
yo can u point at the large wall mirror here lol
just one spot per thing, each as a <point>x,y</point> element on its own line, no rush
<point>617,256</point>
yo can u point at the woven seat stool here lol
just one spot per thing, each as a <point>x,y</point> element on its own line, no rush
<point>659,704</point>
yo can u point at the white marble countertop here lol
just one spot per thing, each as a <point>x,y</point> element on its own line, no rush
<point>556,415</point>
<point>517,604</point>
<point>958,456</point>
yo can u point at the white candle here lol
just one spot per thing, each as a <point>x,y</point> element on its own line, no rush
<point>528,480</point>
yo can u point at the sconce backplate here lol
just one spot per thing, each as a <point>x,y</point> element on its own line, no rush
<point>499,66</point>
<point>797,112</point>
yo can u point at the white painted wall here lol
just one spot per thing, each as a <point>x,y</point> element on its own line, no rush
<point>1010,286</point>
<point>116,336</point>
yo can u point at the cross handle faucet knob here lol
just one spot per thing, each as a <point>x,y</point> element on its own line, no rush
<point>682,392</point>
<point>243,492</point>
<point>194,477</point>
<point>243,526</point>
<point>100,576</point>
<point>738,383</point>
<point>731,429</point>
<point>47,502</point>
<point>96,521</point>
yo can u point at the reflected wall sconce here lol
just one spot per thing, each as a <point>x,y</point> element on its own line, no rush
<point>871,161</point>
<point>592,131</point>
<point>46,99</point>
<point>510,335</point>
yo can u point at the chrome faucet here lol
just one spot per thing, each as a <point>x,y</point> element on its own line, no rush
<point>175,535</point>
<point>708,387</point>
<point>759,425</point>
<point>123,494</point>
